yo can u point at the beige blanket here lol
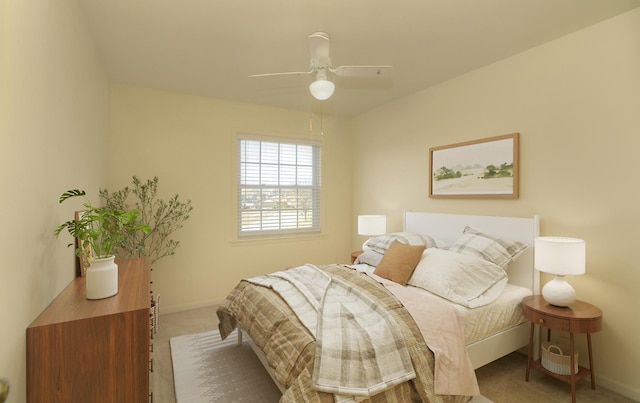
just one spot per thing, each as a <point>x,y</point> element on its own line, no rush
<point>443,331</point>
<point>360,350</point>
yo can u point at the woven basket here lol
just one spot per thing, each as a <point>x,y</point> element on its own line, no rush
<point>555,361</point>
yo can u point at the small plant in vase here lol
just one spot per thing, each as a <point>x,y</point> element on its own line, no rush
<point>100,230</point>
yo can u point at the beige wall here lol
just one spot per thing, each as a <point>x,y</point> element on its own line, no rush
<point>576,103</point>
<point>189,142</point>
<point>573,101</point>
<point>53,136</point>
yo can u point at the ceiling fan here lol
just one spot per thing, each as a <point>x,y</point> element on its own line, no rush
<point>322,88</point>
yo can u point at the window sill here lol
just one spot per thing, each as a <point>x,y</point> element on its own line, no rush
<point>251,241</point>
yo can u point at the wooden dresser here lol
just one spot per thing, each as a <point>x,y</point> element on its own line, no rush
<point>80,350</point>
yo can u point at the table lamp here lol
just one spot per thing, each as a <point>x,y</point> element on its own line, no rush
<point>559,256</point>
<point>371,225</point>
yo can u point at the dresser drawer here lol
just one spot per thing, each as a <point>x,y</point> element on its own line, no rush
<point>548,321</point>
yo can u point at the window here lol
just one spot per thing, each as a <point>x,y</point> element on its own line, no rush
<point>278,186</point>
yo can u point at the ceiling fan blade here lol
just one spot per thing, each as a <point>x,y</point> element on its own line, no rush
<point>289,73</point>
<point>363,71</point>
<point>319,49</point>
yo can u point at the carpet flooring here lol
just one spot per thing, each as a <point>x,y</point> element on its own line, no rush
<point>501,381</point>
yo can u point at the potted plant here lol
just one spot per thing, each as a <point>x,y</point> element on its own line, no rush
<point>99,231</point>
<point>164,217</point>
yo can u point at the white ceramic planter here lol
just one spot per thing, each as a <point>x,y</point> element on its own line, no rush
<point>102,278</point>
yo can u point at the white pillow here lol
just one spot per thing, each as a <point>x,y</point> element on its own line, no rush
<point>466,280</point>
<point>381,243</point>
<point>370,257</point>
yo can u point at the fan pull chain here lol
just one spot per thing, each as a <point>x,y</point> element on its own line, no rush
<point>321,131</point>
<point>321,121</point>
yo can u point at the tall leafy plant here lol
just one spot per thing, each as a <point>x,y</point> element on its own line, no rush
<point>164,217</point>
<point>100,230</point>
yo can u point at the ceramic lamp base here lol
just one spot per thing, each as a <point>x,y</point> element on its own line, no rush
<point>102,278</point>
<point>558,292</point>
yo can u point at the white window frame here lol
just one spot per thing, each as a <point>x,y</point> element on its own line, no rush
<point>275,174</point>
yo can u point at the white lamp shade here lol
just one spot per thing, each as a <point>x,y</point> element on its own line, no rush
<point>322,89</point>
<point>559,255</point>
<point>371,225</point>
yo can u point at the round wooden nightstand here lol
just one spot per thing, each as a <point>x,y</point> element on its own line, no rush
<point>580,317</point>
<point>354,255</point>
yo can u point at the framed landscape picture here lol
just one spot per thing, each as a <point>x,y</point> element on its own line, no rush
<point>480,169</point>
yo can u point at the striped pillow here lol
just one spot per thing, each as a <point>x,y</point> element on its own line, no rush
<point>381,243</point>
<point>493,249</point>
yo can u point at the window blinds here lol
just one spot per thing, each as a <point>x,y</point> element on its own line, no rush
<point>278,186</point>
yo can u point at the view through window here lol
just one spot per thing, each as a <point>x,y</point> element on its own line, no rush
<point>278,186</point>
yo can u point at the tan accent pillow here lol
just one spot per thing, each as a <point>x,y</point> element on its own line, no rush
<point>399,262</point>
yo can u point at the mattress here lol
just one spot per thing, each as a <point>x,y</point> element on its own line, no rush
<point>485,321</point>
<point>503,313</point>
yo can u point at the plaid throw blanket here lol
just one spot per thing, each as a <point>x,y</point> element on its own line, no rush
<point>359,349</point>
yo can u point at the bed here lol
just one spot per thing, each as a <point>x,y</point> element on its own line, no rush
<point>521,272</point>
<point>288,348</point>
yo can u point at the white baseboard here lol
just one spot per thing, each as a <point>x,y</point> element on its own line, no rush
<point>621,388</point>
<point>480,399</point>
<point>187,307</point>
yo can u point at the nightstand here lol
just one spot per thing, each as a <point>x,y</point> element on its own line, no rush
<point>580,317</point>
<point>354,255</point>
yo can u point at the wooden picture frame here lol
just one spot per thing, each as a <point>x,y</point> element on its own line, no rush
<point>480,169</point>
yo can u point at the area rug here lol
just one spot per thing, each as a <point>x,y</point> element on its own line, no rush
<point>207,369</point>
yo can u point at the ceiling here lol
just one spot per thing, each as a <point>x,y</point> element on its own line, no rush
<point>210,47</point>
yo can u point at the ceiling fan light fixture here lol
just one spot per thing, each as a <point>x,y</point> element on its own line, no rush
<point>320,66</point>
<point>322,89</point>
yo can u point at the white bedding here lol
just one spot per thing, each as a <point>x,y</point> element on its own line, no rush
<point>503,313</point>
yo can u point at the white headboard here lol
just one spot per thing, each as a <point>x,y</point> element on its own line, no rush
<point>449,227</point>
